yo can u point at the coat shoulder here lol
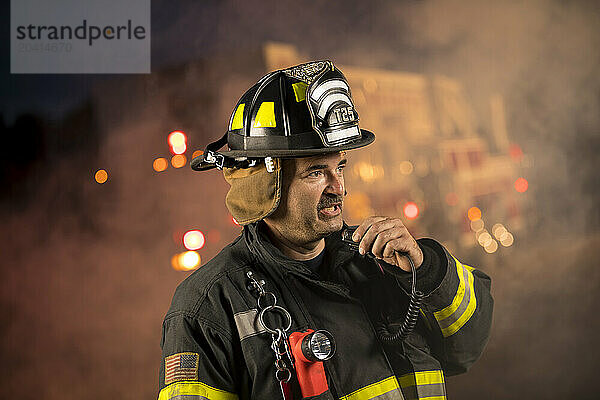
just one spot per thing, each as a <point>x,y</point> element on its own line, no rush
<point>193,290</point>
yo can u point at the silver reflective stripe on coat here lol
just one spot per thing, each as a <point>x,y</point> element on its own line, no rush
<point>452,318</point>
<point>429,385</point>
<point>247,323</point>
<point>457,314</point>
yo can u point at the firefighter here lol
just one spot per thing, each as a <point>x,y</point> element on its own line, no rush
<point>300,305</point>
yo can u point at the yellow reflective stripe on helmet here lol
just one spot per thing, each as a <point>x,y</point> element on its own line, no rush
<point>300,91</point>
<point>265,117</point>
<point>388,387</point>
<point>453,317</point>
<point>200,390</point>
<point>238,118</point>
<point>429,385</point>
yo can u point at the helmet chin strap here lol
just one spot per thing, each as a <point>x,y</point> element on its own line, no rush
<point>219,161</point>
<point>269,164</point>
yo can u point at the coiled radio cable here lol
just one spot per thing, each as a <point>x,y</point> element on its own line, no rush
<point>412,314</point>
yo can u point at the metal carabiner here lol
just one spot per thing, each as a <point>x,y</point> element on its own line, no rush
<point>263,296</point>
<point>255,284</point>
<point>283,311</point>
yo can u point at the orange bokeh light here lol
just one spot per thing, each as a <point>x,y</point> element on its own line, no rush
<point>474,213</point>
<point>193,240</point>
<point>186,261</point>
<point>180,149</point>
<point>176,139</point>
<point>178,160</point>
<point>189,260</point>
<point>160,164</point>
<point>197,153</point>
<point>411,211</point>
<point>175,262</point>
<point>101,176</point>
<point>521,185</point>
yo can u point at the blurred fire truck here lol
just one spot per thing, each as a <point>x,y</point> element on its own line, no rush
<point>430,162</point>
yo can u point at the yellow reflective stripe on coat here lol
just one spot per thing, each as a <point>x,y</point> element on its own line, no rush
<point>194,391</point>
<point>468,267</point>
<point>452,318</point>
<point>429,385</point>
<point>386,389</point>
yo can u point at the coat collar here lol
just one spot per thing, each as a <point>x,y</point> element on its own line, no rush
<point>336,252</point>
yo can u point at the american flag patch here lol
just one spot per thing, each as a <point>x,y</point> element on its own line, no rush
<point>181,367</point>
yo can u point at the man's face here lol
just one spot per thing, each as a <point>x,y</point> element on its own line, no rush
<point>312,198</point>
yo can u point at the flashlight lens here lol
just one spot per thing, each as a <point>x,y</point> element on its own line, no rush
<point>321,345</point>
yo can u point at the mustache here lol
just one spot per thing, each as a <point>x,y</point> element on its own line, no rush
<point>329,200</point>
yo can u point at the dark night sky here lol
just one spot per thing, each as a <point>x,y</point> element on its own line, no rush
<point>191,30</point>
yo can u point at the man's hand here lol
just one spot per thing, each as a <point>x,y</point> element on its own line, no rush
<point>383,236</point>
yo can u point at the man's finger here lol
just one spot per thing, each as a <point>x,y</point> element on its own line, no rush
<point>384,237</point>
<point>362,228</point>
<point>404,245</point>
<point>392,246</point>
<point>369,237</point>
<point>404,263</point>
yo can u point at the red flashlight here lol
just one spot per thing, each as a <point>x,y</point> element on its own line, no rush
<point>310,348</point>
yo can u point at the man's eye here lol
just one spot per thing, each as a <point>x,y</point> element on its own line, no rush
<point>315,174</point>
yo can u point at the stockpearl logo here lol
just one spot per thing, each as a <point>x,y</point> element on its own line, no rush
<point>80,36</point>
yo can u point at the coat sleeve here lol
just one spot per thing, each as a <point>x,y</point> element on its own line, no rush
<point>196,360</point>
<point>457,308</point>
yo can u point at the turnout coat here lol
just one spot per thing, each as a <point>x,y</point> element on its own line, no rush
<point>215,348</point>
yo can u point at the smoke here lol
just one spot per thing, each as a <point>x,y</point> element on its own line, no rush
<point>86,276</point>
<point>540,55</point>
<point>543,58</point>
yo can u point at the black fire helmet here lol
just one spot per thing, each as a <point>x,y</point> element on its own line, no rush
<point>300,111</point>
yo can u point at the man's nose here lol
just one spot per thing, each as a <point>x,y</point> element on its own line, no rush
<point>335,184</point>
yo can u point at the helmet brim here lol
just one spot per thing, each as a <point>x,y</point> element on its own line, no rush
<point>366,138</point>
